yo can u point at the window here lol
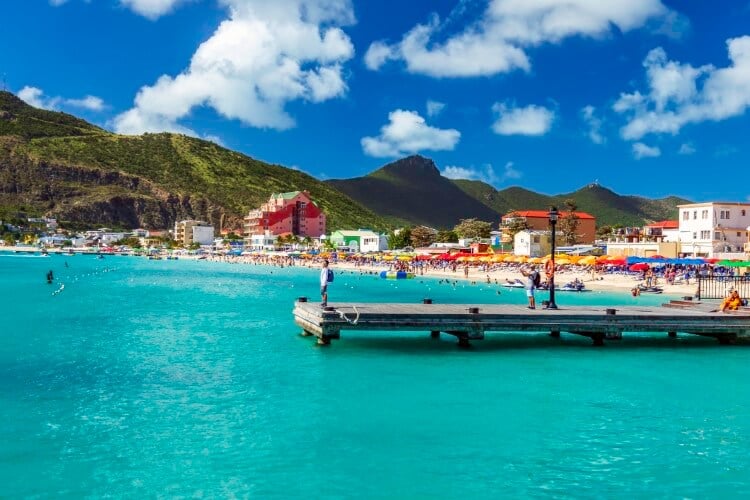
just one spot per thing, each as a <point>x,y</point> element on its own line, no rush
<point>724,214</point>
<point>704,214</point>
<point>695,236</point>
<point>685,215</point>
<point>717,235</point>
<point>695,214</point>
<point>705,235</point>
<point>738,234</point>
<point>742,212</point>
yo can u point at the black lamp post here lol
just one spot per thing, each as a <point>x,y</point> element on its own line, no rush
<point>553,214</point>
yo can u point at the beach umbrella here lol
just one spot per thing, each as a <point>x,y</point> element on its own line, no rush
<point>641,266</point>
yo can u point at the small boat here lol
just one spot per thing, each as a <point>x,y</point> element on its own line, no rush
<point>574,286</point>
<point>648,289</point>
<point>517,283</point>
<point>396,275</point>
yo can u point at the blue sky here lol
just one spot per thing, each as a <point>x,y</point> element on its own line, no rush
<point>646,97</point>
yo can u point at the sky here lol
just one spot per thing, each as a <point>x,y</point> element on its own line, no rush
<point>645,97</point>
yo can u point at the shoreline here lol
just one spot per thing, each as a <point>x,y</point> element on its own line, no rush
<point>604,282</point>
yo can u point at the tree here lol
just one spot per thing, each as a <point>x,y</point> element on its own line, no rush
<point>422,236</point>
<point>604,231</point>
<point>399,238</point>
<point>232,236</point>
<point>130,241</point>
<point>569,223</point>
<point>473,229</point>
<point>9,239</point>
<point>448,236</point>
<point>515,224</point>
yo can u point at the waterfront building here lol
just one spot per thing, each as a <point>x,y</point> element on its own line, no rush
<point>286,213</point>
<point>187,232</point>
<point>714,229</point>
<point>361,240</point>
<point>532,243</point>
<point>539,220</point>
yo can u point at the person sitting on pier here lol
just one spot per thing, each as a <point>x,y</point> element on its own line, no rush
<point>732,302</point>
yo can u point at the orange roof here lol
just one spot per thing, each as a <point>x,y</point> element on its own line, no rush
<point>544,214</point>
<point>665,224</point>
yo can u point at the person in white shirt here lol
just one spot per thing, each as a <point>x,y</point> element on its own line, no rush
<point>324,284</point>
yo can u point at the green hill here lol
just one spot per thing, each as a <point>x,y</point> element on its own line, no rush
<point>58,165</point>
<point>412,190</point>
<point>608,207</point>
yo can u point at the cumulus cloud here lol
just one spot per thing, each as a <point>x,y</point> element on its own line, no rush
<point>485,173</point>
<point>406,133</point>
<point>680,94</point>
<point>594,123</point>
<point>434,108</point>
<point>641,150</point>
<point>151,9</point>
<point>686,149</point>
<point>531,120</point>
<point>35,97</point>
<point>264,56</point>
<point>498,40</point>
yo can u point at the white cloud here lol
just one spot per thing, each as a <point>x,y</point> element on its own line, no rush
<point>497,41</point>
<point>486,173</point>
<point>686,149</point>
<point>641,150</point>
<point>408,133</point>
<point>35,97</point>
<point>531,120</point>
<point>594,123</point>
<point>434,108</point>
<point>681,94</point>
<point>151,9</point>
<point>264,56</point>
<point>89,102</point>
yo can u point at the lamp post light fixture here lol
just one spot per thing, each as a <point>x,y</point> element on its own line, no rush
<point>553,215</point>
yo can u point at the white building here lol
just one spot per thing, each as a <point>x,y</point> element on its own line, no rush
<point>362,240</point>
<point>266,241</point>
<point>187,232</point>
<point>532,243</point>
<point>713,229</point>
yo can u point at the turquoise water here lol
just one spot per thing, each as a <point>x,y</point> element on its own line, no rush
<point>189,379</point>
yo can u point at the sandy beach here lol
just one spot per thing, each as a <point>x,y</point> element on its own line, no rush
<point>609,282</point>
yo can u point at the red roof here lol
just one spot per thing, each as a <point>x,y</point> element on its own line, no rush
<point>544,214</point>
<point>665,224</point>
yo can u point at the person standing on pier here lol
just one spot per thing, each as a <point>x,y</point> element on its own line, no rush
<point>532,282</point>
<point>324,280</point>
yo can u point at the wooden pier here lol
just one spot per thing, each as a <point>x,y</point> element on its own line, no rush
<point>470,322</point>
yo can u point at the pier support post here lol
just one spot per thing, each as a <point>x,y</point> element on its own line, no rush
<point>463,342</point>
<point>672,335</point>
<point>598,339</point>
<point>324,341</point>
<point>305,333</point>
<point>555,334</point>
<point>435,334</point>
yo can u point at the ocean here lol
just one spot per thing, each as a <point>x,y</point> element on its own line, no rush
<point>190,379</point>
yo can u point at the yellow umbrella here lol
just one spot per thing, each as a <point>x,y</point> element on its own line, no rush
<point>561,261</point>
<point>535,260</point>
<point>404,257</point>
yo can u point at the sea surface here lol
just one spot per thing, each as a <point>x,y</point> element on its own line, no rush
<point>189,379</point>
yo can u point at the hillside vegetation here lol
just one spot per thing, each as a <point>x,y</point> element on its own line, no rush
<point>55,164</point>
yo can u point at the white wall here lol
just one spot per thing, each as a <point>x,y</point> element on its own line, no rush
<point>203,235</point>
<point>708,228</point>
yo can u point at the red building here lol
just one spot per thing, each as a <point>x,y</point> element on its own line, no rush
<point>539,220</point>
<point>287,213</point>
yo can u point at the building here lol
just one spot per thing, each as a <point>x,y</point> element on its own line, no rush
<point>286,213</point>
<point>713,229</point>
<point>662,231</point>
<point>362,240</point>
<point>263,241</point>
<point>532,243</point>
<point>187,232</point>
<point>539,220</point>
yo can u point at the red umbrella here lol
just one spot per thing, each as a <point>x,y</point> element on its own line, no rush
<point>641,266</point>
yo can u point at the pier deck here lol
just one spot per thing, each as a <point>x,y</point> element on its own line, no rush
<point>470,322</point>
